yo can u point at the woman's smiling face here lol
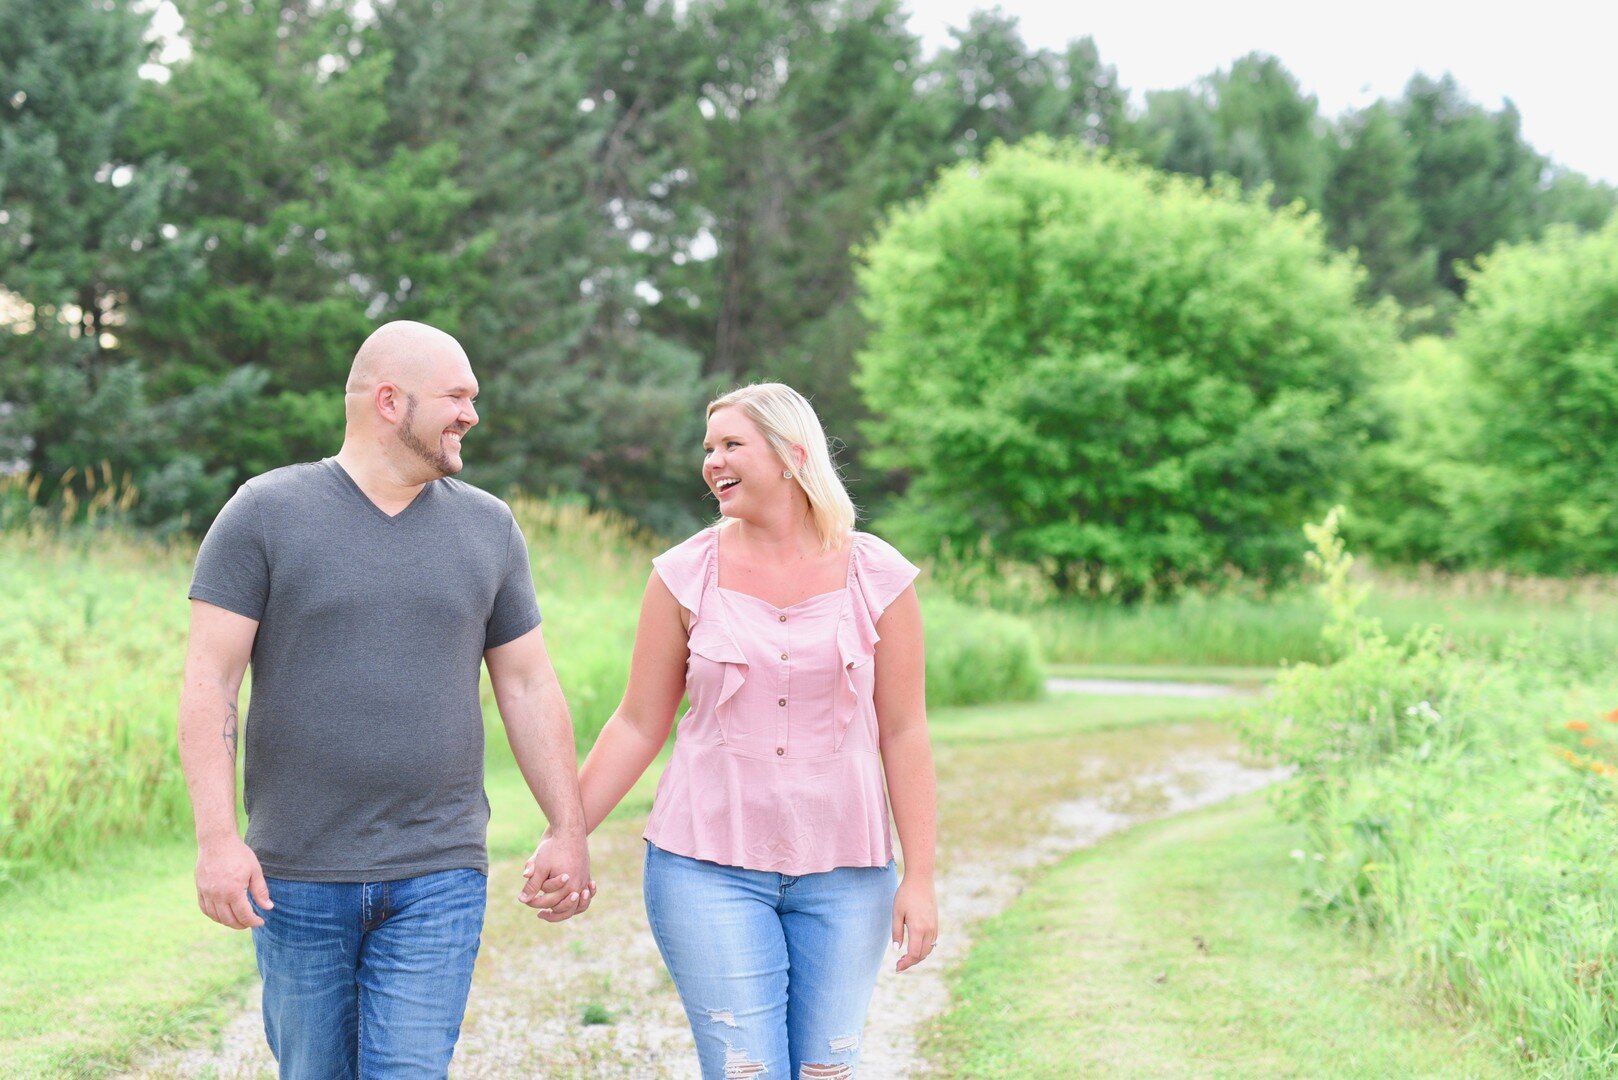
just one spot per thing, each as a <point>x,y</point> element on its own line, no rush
<point>737,461</point>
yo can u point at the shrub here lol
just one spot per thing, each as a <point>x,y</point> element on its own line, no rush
<point>975,655</point>
<point>1132,378</point>
<point>1540,335</point>
<point>1465,808</point>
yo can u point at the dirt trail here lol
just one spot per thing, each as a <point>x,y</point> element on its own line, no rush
<point>535,983</point>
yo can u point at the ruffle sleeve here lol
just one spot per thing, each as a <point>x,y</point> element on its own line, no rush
<point>685,568</point>
<point>877,574</point>
<point>691,571</point>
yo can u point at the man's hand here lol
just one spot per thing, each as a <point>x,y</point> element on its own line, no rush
<point>558,874</point>
<point>226,871</point>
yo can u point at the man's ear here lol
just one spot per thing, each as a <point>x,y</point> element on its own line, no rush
<point>390,401</point>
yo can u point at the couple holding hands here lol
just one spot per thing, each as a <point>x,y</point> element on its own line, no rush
<point>367,589</point>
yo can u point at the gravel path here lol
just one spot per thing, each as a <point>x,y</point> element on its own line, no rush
<point>537,986</point>
<point>1141,688</point>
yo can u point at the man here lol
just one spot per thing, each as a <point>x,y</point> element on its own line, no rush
<point>366,588</point>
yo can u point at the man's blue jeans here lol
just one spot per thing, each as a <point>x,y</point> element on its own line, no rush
<point>368,980</point>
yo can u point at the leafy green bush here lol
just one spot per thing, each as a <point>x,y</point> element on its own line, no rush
<point>1404,488</point>
<point>1540,334</point>
<point>1134,379</point>
<point>1465,808</point>
<point>975,655</point>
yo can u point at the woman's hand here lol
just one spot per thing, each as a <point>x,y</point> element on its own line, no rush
<point>915,915</point>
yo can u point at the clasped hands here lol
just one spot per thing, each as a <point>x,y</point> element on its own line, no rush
<point>559,885</point>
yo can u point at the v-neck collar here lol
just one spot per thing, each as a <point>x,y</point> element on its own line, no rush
<point>359,492</point>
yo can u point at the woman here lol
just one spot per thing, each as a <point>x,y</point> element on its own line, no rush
<point>770,881</point>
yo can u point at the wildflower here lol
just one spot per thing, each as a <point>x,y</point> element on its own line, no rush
<point>1578,725</point>
<point>1612,717</point>
<point>1589,740</point>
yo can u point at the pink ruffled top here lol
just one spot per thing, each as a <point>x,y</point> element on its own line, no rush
<point>776,763</point>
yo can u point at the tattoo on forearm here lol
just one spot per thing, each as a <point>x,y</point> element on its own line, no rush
<point>229,732</point>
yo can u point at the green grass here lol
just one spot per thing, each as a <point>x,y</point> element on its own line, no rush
<point>1224,674</point>
<point>92,643</point>
<point>1097,971</point>
<point>99,963</point>
<point>1488,614</point>
<point>1067,715</point>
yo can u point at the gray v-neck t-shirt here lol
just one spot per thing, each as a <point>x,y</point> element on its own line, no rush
<point>364,732</point>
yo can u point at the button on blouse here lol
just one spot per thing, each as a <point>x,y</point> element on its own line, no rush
<point>776,763</point>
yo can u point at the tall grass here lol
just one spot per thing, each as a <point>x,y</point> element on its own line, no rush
<point>92,643</point>
<point>1463,805</point>
<point>975,655</point>
<point>1574,622</point>
<point>92,639</point>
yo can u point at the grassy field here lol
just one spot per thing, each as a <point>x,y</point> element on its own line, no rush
<point>1178,949</point>
<point>92,641</point>
<point>101,947</point>
<point>99,962</point>
<point>1574,621</point>
<point>102,952</point>
<point>120,949</point>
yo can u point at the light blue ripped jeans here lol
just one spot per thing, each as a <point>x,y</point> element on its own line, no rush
<point>775,971</point>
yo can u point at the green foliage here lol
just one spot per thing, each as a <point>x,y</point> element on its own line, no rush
<point>1475,179</point>
<point>620,210</point>
<point>312,226</point>
<point>83,236</point>
<point>565,116</point>
<point>1570,198</point>
<point>1404,490</point>
<point>1143,381</point>
<point>1449,803</point>
<point>92,641</point>
<point>991,87</point>
<point>1269,132</point>
<point>1417,187</point>
<point>1369,209</point>
<point>1252,123</point>
<point>1537,489</point>
<point>975,655</point>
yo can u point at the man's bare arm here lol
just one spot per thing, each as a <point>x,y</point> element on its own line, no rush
<point>221,642</point>
<point>540,731</point>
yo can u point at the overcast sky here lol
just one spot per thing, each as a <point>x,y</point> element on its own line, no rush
<point>1553,58</point>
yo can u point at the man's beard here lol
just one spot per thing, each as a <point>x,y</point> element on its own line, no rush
<point>435,456</point>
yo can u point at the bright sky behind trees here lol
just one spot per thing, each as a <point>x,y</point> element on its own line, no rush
<point>1552,59</point>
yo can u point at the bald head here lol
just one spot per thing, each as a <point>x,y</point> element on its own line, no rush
<point>403,353</point>
<point>410,397</point>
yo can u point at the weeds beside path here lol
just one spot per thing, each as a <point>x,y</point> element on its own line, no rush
<point>1180,950</point>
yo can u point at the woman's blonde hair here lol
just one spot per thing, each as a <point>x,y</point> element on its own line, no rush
<point>787,419</point>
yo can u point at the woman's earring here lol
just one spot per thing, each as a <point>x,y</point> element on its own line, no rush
<point>786,475</point>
